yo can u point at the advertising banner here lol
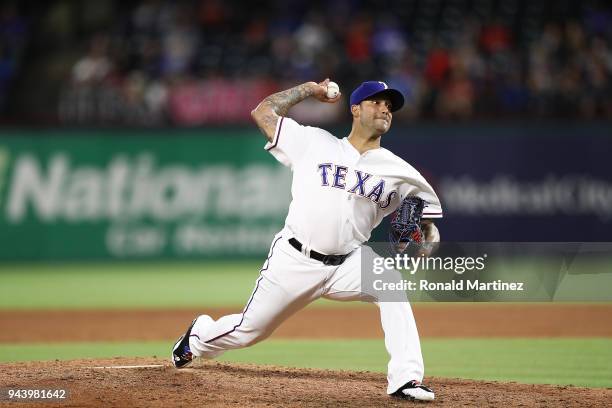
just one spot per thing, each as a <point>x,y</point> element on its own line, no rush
<point>117,195</point>
<point>197,194</point>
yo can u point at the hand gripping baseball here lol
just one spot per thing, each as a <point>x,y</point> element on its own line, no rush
<point>320,91</point>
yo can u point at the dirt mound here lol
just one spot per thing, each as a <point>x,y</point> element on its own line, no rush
<point>223,384</point>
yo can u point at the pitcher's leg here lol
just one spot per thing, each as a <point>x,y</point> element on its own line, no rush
<point>268,307</point>
<point>286,284</point>
<point>402,343</point>
<point>401,335</point>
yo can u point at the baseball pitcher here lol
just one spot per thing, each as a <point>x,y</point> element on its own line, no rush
<point>341,190</point>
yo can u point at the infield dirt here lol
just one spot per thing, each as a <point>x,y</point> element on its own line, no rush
<point>456,320</point>
<point>213,384</point>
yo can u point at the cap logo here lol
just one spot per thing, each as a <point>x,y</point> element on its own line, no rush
<point>384,84</point>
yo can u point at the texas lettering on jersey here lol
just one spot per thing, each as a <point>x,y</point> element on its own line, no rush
<point>334,175</point>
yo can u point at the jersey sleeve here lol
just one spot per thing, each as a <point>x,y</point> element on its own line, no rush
<point>419,187</point>
<point>414,184</point>
<point>291,140</point>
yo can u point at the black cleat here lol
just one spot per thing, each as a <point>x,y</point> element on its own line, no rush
<point>414,390</point>
<point>181,354</point>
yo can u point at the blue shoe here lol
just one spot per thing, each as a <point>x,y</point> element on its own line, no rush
<point>181,354</point>
<point>414,390</point>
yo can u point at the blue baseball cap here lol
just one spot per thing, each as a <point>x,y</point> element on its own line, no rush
<point>371,88</point>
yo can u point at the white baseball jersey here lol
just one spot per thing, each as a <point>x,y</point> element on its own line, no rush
<point>339,195</point>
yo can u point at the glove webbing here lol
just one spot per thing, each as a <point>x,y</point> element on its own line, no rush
<point>405,225</point>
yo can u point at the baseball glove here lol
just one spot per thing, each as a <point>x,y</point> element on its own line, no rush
<point>405,225</point>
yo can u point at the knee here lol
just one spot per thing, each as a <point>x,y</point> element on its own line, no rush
<point>253,337</point>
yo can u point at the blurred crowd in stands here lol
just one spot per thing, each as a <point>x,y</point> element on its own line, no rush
<point>12,39</point>
<point>161,62</point>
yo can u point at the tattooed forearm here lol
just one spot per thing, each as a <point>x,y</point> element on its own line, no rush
<point>267,112</point>
<point>280,102</point>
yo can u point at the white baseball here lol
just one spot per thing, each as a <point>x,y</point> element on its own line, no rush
<point>332,90</point>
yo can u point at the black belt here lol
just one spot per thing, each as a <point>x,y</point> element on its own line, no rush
<point>334,260</point>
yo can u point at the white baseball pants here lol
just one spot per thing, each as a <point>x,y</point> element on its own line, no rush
<point>289,281</point>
